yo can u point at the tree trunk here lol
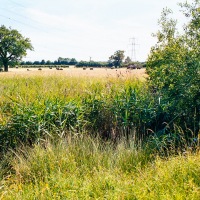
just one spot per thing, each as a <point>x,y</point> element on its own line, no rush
<point>5,64</point>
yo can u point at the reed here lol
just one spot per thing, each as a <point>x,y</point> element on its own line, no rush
<point>92,138</point>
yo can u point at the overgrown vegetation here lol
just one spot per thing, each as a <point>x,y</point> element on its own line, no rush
<point>174,69</point>
<point>81,167</point>
<point>107,138</point>
<point>85,138</point>
<point>38,106</point>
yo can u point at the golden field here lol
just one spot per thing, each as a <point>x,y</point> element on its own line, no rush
<point>78,72</point>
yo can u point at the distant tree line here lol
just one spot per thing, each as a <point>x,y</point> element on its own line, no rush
<point>60,61</point>
<point>13,47</point>
<point>65,61</point>
<point>91,64</point>
<point>115,61</point>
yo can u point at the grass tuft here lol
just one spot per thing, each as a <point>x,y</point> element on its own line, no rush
<point>86,168</point>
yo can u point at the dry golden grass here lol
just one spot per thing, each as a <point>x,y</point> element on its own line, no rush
<point>78,72</point>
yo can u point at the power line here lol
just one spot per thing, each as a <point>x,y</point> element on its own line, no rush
<point>22,23</point>
<point>26,24</point>
<point>22,16</point>
<point>18,4</point>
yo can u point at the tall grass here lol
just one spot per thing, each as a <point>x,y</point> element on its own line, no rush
<point>37,107</point>
<point>34,107</point>
<point>82,167</point>
<point>92,138</point>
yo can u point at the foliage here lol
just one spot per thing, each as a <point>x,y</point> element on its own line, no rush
<point>91,64</point>
<point>52,105</point>
<point>117,58</point>
<point>64,62</point>
<point>60,61</point>
<point>127,60</point>
<point>174,69</point>
<point>33,108</point>
<point>67,61</point>
<point>13,46</point>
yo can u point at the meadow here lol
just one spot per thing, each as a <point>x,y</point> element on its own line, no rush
<point>78,72</point>
<point>89,134</point>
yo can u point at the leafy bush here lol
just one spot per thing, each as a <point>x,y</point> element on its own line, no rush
<point>174,70</point>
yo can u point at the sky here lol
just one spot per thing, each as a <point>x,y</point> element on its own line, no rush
<point>86,29</point>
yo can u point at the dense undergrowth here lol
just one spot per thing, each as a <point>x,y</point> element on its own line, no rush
<point>111,138</point>
<point>82,167</point>
<point>80,138</point>
<point>38,107</point>
<point>35,107</point>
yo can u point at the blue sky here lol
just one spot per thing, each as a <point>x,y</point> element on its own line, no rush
<point>85,28</point>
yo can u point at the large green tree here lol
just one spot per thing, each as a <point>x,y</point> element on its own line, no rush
<point>174,66</point>
<point>117,58</point>
<point>13,46</point>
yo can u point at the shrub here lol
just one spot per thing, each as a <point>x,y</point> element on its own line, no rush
<point>173,69</point>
